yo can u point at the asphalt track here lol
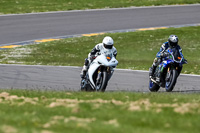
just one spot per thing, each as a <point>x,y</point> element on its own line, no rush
<point>67,78</point>
<point>17,28</point>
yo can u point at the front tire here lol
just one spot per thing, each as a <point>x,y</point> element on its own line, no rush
<point>103,82</point>
<point>171,80</point>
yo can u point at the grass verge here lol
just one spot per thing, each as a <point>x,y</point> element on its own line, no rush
<point>52,112</point>
<point>30,6</point>
<point>136,50</point>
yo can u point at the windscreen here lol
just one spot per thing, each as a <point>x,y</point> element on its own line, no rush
<point>176,54</point>
<point>108,54</point>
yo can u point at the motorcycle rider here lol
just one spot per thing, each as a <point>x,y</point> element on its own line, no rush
<point>107,44</point>
<point>171,43</point>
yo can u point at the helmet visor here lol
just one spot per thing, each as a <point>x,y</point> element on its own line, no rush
<point>173,44</point>
<point>108,46</point>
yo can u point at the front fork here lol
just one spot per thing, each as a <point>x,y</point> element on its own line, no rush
<point>168,74</point>
<point>98,77</point>
<point>99,73</point>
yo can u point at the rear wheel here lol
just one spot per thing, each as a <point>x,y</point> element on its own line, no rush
<point>153,87</point>
<point>171,78</point>
<point>85,86</point>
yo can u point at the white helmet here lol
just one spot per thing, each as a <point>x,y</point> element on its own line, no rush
<point>108,42</point>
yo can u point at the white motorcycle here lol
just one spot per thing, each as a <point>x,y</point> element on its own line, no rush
<point>99,72</point>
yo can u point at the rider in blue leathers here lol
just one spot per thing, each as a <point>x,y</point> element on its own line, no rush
<point>171,43</point>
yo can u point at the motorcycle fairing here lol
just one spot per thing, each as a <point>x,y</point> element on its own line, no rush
<point>92,69</point>
<point>101,60</point>
<point>170,60</point>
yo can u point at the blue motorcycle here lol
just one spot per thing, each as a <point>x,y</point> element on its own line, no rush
<point>169,70</point>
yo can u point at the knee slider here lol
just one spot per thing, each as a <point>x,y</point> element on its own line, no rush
<point>86,61</point>
<point>155,60</point>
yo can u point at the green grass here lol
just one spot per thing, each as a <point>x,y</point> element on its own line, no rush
<point>25,111</point>
<point>136,50</point>
<point>29,6</point>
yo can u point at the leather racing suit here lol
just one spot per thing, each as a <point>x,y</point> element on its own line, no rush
<point>97,50</point>
<point>159,57</point>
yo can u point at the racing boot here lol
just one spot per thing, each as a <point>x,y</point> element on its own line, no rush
<point>153,68</point>
<point>83,71</point>
<point>158,79</point>
<point>85,68</point>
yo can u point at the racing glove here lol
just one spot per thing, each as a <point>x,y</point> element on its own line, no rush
<point>164,54</point>
<point>92,57</point>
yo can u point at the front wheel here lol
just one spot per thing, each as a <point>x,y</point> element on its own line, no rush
<point>171,78</point>
<point>103,81</point>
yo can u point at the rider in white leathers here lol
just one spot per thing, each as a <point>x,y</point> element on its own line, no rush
<point>106,44</point>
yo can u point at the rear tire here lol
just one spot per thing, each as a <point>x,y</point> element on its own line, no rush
<point>169,85</point>
<point>85,86</point>
<point>153,87</point>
